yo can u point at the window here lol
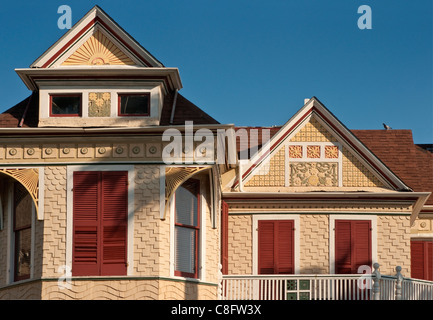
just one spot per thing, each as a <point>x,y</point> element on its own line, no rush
<point>422,259</point>
<point>276,247</point>
<point>100,202</point>
<point>187,228</point>
<point>65,105</point>
<point>134,104</point>
<point>353,247</point>
<point>22,224</point>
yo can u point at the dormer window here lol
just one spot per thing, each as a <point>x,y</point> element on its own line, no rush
<point>65,105</point>
<point>134,104</point>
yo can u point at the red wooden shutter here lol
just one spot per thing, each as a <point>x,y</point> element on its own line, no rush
<point>422,259</point>
<point>352,245</point>
<point>114,208</point>
<point>285,247</point>
<point>224,237</point>
<point>275,247</point>
<point>85,224</point>
<point>100,206</point>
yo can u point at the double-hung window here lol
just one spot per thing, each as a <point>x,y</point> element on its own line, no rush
<point>187,228</point>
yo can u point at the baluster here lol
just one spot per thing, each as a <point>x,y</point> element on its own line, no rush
<point>398,283</point>
<point>376,282</point>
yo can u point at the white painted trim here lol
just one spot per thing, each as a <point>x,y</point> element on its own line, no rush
<point>10,243</point>
<point>297,237</point>
<point>162,192</point>
<point>428,236</point>
<point>332,219</point>
<point>41,195</point>
<point>69,209</point>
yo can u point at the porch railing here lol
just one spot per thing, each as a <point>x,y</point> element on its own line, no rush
<point>325,287</point>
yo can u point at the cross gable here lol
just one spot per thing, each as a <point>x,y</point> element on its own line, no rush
<point>315,150</point>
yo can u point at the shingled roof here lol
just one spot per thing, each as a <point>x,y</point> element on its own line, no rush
<point>24,114</point>
<point>396,149</point>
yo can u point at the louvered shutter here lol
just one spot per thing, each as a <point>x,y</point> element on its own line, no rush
<point>266,247</point>
<point>284,247</point>
<point>85,224</point>
<point>352,245</point>
<point>429,275</point>
<point>422,259</point>
<point>100,203</point>
<point>114,209</point>
<point>275,247</point>
<point>224,237</point>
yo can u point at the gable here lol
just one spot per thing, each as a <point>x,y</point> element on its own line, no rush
<point>313,157</point>
<point>95,40</point>
<point>314,150</point>
<point>98,50</point>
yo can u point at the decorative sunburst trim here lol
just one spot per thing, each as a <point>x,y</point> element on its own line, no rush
<point>98,50</point>
<point>29,178</point>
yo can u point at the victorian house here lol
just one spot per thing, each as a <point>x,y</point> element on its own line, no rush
<point>115,186</point>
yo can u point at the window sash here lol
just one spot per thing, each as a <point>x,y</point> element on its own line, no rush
<point>62,113</point>
<point>187,228</point>
<point>128,110</point>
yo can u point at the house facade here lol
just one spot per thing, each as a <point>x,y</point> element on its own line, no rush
<point>115,186</point>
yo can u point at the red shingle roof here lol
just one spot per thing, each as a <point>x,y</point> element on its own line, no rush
<point>396,149</point>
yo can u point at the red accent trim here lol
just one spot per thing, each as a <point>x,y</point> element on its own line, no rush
<point>68,44</point>
<point>91,23</point>
<point>66,95</point>
<point>224,237</point>
<point>132,94</point>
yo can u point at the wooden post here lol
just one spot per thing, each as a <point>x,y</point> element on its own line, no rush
<point>398,283</point>
<point>376,282</point>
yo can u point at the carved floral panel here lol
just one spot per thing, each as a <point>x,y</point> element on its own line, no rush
<point>313,174</point>
<point>99,104</point>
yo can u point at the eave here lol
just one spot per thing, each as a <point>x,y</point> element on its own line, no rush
<point>32,77</point>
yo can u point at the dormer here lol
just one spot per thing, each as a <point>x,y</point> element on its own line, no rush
<point>97,75</point>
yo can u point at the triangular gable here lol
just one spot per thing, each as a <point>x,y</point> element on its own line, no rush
<point>96,39</point>
<point>315,123</point>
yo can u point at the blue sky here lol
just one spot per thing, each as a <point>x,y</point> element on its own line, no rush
<point>254,62</point>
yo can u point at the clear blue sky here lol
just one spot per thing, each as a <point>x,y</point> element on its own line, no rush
<point>253,62</point>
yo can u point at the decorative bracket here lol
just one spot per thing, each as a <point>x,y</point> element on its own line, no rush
<point>174,177</point>
<point>29,178</point>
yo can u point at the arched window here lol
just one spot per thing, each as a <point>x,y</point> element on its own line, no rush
<point>187,228</point>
